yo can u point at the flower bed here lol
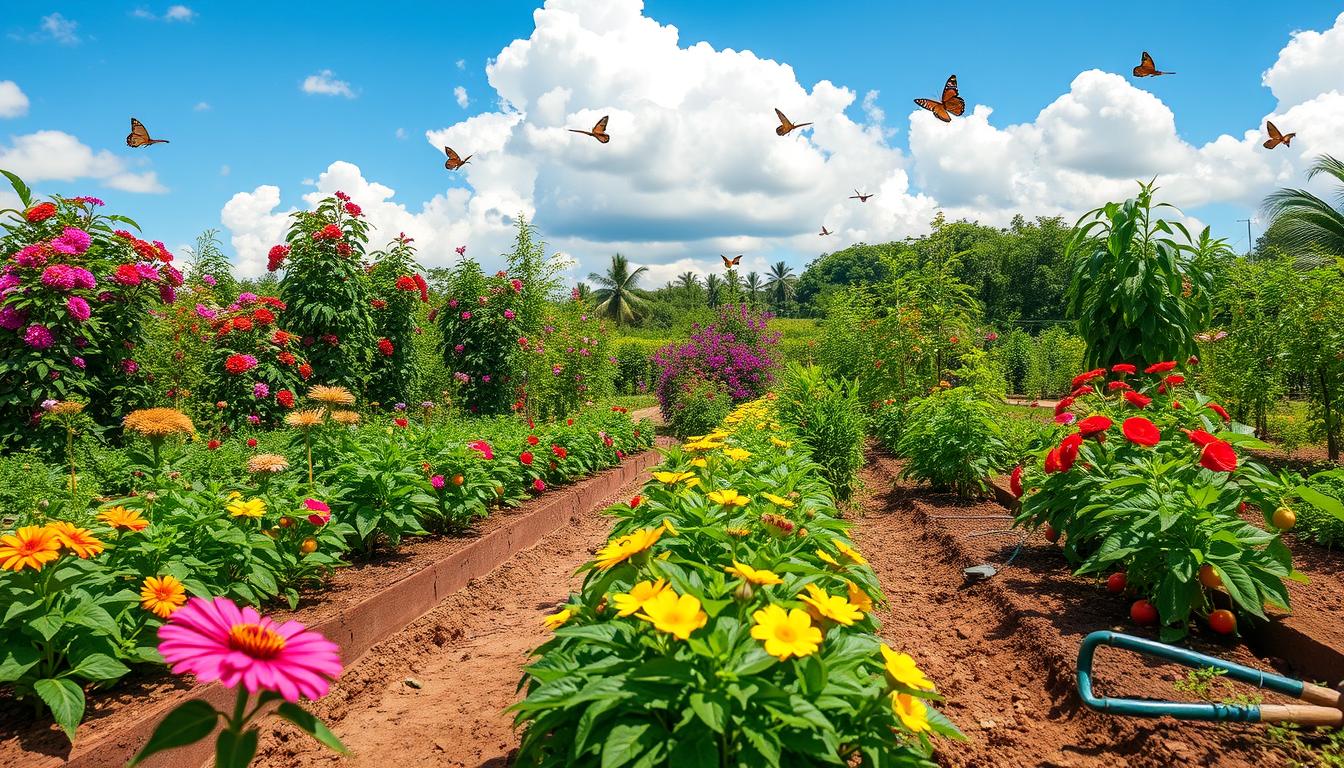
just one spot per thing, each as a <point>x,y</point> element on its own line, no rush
<point>728,620</point>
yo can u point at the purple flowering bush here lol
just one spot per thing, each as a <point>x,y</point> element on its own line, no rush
<point>480,323</point>
<point>735,350</point>
<point>75,294</point>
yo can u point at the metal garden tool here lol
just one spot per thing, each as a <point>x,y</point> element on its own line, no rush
<point>1325,707</point>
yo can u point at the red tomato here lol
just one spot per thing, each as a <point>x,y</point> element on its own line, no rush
<point>1051,535</point>
<point>1209,577</point>
<point>1143,613</point>
<point>1116,583</point>
<point>1223,621</point>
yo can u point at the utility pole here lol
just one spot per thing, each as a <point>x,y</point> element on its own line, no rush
<point>1250,244</point>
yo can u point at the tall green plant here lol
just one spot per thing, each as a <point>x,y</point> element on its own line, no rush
<point>827,416</point>
<point>210,267</point>
<point>616,297</point>
<point>397,289</point>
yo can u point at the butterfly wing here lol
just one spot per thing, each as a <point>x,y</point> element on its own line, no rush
<point>601,126</point>
<point>936,107</point>
<point>138,136</point>
<point>736,260</point>
<point>1273,131</point>
<point>1146,66</point>
<point>726,262</point>
<point>952,102</point>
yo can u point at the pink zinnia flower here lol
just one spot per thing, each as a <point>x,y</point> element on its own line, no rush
<point>538,485</point>
<point>483,447</point>
<point>37,336</point>
<point>78,308</point>
<point>437,482</point>
<point>215,640</point>
<point>508,314</point>
<point>321,512</point>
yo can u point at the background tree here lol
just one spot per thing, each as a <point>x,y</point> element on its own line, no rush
<point>713,290</point>
<point>616,298</point>
<point>1304,221</point>
<point>753,285</point>
<point>779,284</point>
<point>397,289</point>
<point>208,258</point>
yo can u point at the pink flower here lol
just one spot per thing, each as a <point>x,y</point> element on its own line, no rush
<point>466,315</point>
<point>483,447</point>
<point>353,209</point>
<point>215,640</point>
<point>12,319</point>
<point>78,308</point>
<point>37,336</point>
<point>517,285</point>
<point>461,250</point>
<point>260,389</point>
<point>321,512</point>
<point>538,485</point>
<point>437,482</point>
<point>72,241</point>
<point>129,366</point>
<point>508,314</point>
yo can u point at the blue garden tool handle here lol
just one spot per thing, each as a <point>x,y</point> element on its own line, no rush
<point>1330,714</point>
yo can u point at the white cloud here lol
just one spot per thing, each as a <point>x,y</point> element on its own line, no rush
<point>326,84</point>
<point>254,226</point>
<point>461,64</point>
<point>460,94</point>
<point>62,30</point>
<point>1309,65</point>
<point>58,156</point>
<point>13,101</point>
<point>401,133</point>
<point>179,13</point>
<point>202,106</point>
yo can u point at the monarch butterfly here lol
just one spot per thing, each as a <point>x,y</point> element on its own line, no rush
<point>952,104</point>
<point>824,231</point>
<point>454,160</point>
<point>1147,68</point>
<point>599,131</point>
<point>784,125</point>
<point>139,137</point>
<point>1276,138</point>
<point>730,263</point>
<point>859,197</point>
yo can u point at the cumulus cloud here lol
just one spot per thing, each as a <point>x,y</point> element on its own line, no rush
<point>326,84</point>
<point>174,13</point>
<point>58,156</point>
<point>13,101</point>
<point>62,30</point>
<point>460,94</point>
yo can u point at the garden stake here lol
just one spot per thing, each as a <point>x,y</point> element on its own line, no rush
<point>1326,707</point>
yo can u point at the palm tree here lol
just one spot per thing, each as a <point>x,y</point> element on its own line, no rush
<point>779,284</point>
<point>754,286</point>
<point>583,292</point>
<point>688,281</point>
<point>714,288</point>
<point>616,297</point>
<point>1305,220</point>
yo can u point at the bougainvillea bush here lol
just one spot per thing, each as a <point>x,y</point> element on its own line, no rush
<point>75,293</point>
<point>254,367</point>
<point>482,342</point>
<point>736,350</point>
<point>326,290</point>
<point>728,621</point>
<point>397,288</point>
<point>1152,482</point>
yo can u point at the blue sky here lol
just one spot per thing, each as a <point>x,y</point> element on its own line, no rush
<point>224,82</point>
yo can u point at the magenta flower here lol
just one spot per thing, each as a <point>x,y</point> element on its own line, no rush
<point>466,315</point>
<point>508,314</point>
<point>215,640</point>
<point>204,312</point>
<point>459,348</point>
<point>77,361</point>
<point>12,319</point>
<point>452,303</point>
<point>37,336</point>
<point>129,366</point>
<point>31,256</point>
<point>209,280</point>
<point>72,241</point>
<point>78,308</point>
<point>437,482</point>
<point>321,512</point>
<point>247,297</point>
<point>483,447</point>
<point>261,390</point>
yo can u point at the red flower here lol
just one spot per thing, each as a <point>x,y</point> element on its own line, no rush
<point>329,232</point>
<point>213,445</point>
<point>353,209</point>
<point>1141,431</point>
<point>1093,425</point>
<point>559,451</point>
<point>1065,418</point>
<point>282,338</point>
<point>127,274</point>
<point>569,422</point>
<point>379,304</point>
<point>1087,376</point>
<point>1193,360</point>
<point>538,486</point>
<point>385,347</point>
<point>1220,410</point>
<point>1124,368</point>
<point>1052,461</point>
<point>1068,451</point>
<point>424,288</point>
<point>1160,367</point>
<point>636,501</point>
<point>41,212</point>
<point>242,323</point>
<point>342,196</point>
<point>1063,405</point>
<point>526,458</point>
<point>532,440</point>
<point>1080,391</point>
<point>953,340</point>
<point>344,248</point>
<point>1200,437</point>
<point>400,422</point>
<point>276,257</point>
<point>286,358</point>
<point>1112,386</point>
<point>264,316</point>
<point>1173,380</point>
<point>1137,400</point>
<point>1015,481</point>
<point>405,283</point>
<point>1218,456</point>
<point>305,370</point>
<point>251,442</point>
<point>285,398</point>
<point>238,364</point>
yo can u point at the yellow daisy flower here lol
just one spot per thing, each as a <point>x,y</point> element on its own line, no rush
<point>859,598</point>
<point>678,616</point>
<point>775,441</point>
<point>901,669</point>
<point>246,508</point>
<point>850,552</point>
<point>728,498</point>
<point>736,454</point>
<point>785,633</point>
<point>751,575</point>
<point>557,620</point>
<point>826,558</point>
<point>672,478</point>
<point>778,501</point>
<point>699,462</point>
<point>161,595</point>
<point>828,606</point>
<point>622,548</point>
<point>912,712</point>
<point>640,594</point>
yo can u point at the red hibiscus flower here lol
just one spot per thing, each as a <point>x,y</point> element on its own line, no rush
<point>532,440</point>
<point>1138,400</point>
<point>1093,425</point>
<point>1218,456</point>
<point>400,422</point>
<point>305,370</point>
<point>1068,451</point>
<point>238,364</point>
<point>251,442</point>
<point>213,445</point>
<point>353,209</point>
<point>636,501</point>
<point>1160,367</point>
<point>1141,431</point>
<point>1112,386</point>
<point>1087,376</point>
<point>1200,437</point>
<point>1063,405</point>
<point>559,451</point>
<point>286,358</point>
<point>1220,410</point>
<point>538,485</point>
<point>264,316</point>
<point>242,323</point>
<point>1052,461</point>
<point>405,283</point>
<point>276,257</point>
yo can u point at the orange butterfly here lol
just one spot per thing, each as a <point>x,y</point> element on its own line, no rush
<point>784,125</point>
<point>824,231</point>
<point>455,160</point>
<point>730,263</point>
<point>952,104</point>
<point>1276,138</point>
<point>1147,68</point>
<point>139,137</point>
<point>599,131</point>
<point>859,197</point>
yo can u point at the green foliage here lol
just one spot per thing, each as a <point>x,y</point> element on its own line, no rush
<point>569,361</point>
<point>615,296</point>
<point>1318,524</point>
<point>1013,353</point>
<point>210,268</point>
<point>827,416</point>
<point>481,339</point>
<point>1304,220</point>
<point>699,406</point>
<point>952,440</point>
<point>634,365</point>
<point>396,290</point>
<point>254,368</point>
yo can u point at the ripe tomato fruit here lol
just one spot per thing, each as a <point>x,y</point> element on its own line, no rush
<point>1116,583</point>
<point>1051,535</point>
<point>458,479</point>
<point>1209,577</point>
<point>1223,621</point>
<point>1143,613</point>
<point>1284,518</point>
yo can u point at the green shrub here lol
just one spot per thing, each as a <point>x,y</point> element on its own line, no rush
<point>887,423</point>
<point>699,406</point>
<point>1315,523</point>
<point>952,440</point>
<point>634,365</point>
<point>826,415</point>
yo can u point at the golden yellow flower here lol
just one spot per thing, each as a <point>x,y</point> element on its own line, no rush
<point>826,558</point>
<point>67,408</point>
<point>859,598</point>
<point>736,454</point>
<point>728,498</point>
<point>348,418</point>
<point>162,595</point>
<point>672,478</point>
<point>558,619</point>
<point>902,670</point>
<point>246,508</point>
<point>159,422</point>
<point>305,419</point>
<point>78,540</point>
<point>785,633</point>
<point>912,711</point>
<point>850,552</point>
<point>678,616</point>
<point>738,532</point>
<point>699,462</point>
<point>828,606</point>
<point>630,602</point>
<point>760,577</point>
<point>31,546</point>
<point>331,395</point>
<point>623,548</point>
<point>121,517</point>
<point>267,464</point>
<point>778,501</point>
<point>669,527</point>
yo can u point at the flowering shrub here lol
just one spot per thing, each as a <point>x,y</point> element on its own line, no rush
<point>254,366</point>
<point>326,290</point>
<point>736,349</point>
<point>727,621</point>
<point>481,339</point>
<point>396,289</point>
<point>74,297</point>
<point>568,362</point>
<point>1152,481</point>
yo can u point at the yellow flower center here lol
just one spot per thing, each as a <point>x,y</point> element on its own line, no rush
<point>256,641</point>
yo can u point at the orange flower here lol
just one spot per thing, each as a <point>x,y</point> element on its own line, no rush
<point>77,540</point>
<point>162,595</point>
<point>121,517</point>
<point>29,547</point>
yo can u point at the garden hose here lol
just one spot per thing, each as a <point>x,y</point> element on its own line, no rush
<point>986,570</point>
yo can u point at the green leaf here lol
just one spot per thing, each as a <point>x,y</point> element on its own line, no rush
<point>235,750</point>
<point>311,725</point>
<point>98,667</point>
<point>709,710</point>
<point>187,724</point>
<point>1315,498</point>
<point>15,660</point>
<point>625,742</point>
<point>65,700</point>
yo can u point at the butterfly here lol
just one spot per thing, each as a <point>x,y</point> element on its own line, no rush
<point>1147,68</point>
<point>784,125</point>
<point>139,137</point>
<point>1276,138</point>
<point>824,231</point>
<point>454,160</point>
<point>461,250</point>
<point>859,197</point>
<point>730,263</point>
<point>599,131</point>
<point>952,104</point>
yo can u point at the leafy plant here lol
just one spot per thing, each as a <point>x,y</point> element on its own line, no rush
<point>827,417</point>
<point>396,288</point>
<point>952,440</point>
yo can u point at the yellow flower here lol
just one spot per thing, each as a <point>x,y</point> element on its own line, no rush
<point>826,558</point>
<point>784,633</point>
<point>901,669</point>
<point>738,532</point>
<point>699,462</point>
<point>305,419</point>
<point>859,598</point>
<point>331,395</point>
<point>162,595</point>
<point>728,498</point>
<point>667,526</point>
<point>159,422</point>
<point>622,548</point>
<point>267,464</point>
<point>348,418</point>
<point>694,482</point>
<point>557,620</point>
<point>672,478</point>
<point>775,441</point>
<point>911,711</point>
<point>31,546</point>
<point>717,434</point>
<point>736,454</point>
<point>850,552</point>
<point>77,540</point>
<point>121,517</point>
<point>640,594</point>
<point>778,501</point>
<point>828,606</point>
<point>753,575</point>
<point>247,508</point>
<point>678,616</point>
<point>234,495</point>
<point>66,408</point>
